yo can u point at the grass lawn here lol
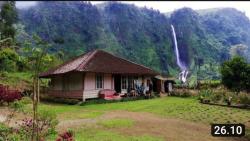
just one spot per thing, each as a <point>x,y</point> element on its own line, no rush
<point>188,109</point>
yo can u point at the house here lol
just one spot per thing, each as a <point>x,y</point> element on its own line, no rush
<point>84,76</point>
<point>163,84</point>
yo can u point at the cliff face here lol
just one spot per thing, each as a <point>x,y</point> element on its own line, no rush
<point>139,34</point>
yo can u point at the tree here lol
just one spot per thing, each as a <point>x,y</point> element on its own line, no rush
<point>8,60</point>
<point>8,18</point>
<point>236,74</point>
<point>37,52</point>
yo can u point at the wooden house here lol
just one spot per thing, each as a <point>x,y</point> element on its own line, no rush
<point>84,76</point>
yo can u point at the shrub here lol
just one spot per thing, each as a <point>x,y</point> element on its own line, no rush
<point>26,100</point>
<point>48,118</point>
<point>205,95</point>
<point>66,136</point>
<point>103,101</point>
<point>17,105</point>
<point>11,96</point>
<point>244,98</point>
<point>46,125</point>
<point>236,74</point>
<point>216,97</point>
<point>4,132</point>
<point>9,134</point>
<point>8,59</point>
<point>185,94</point>
<point>61,100</point>
<point>7,95</point>
<point>181,94</point>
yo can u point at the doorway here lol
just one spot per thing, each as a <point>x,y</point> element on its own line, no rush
<point>117,83</point>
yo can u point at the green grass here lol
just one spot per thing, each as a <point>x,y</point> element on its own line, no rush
<point>183,108</point>
<point>169,107</point>
<point>95,134</point>
<point>14,78</point>
<point>19,80</point>
<point>67,111</point>
<point>117,123</point>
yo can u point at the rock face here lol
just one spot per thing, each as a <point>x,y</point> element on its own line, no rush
<point>140,34</point>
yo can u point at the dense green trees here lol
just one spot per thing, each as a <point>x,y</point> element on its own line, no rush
<point>236,74</point>
<point>140,34</point>
<point>8,18</point>
<point>8,59</point>
<point>12,55</point>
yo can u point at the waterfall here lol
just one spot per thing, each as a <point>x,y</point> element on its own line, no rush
<point>184,71</point>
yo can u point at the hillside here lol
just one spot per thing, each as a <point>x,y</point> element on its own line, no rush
<point>140,34</point>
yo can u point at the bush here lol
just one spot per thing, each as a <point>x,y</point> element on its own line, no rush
<point>205,95</point>
<point>17,105</point>
<point>103,101</point>
<point>60,100</point>
<point>48,118</point>
<point>46,125</point>
<point>217,97</point>
<point>26,100</point>
<point>7,95</point>
<point>8,59</point>
<point>181,94</point>
<point>236,74</point>
<point>10,96</point>
<point>4,132</point>
<point>244,98</point>
<point>8,134</point>
<point>66,136</point>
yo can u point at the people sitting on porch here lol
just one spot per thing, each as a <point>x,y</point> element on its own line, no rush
<point>131,91</point>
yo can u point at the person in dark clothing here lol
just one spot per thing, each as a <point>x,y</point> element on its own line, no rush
<point>150,87</point>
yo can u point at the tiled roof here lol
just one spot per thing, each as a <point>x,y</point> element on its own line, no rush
<point>102,62</point>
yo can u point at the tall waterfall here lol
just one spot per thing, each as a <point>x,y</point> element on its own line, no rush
<point>184,71</point>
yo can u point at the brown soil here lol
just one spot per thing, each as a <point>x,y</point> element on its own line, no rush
<point>16,120</point>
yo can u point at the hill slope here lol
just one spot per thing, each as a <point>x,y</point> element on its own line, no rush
<point>140,34</point>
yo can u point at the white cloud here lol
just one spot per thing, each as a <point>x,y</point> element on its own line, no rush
<point>25,4</point>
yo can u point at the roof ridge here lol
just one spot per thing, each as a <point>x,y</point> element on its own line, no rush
<point>66,62</point>
<point>90,56</point>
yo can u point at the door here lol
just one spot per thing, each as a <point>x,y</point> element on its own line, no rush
<point>117,83</point>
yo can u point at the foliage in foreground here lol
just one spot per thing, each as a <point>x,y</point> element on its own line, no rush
<point>236,74</point>
<point>46,126</point>
<point>222,97</point>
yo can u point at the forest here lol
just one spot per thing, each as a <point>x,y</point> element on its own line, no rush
<point>213,44</point>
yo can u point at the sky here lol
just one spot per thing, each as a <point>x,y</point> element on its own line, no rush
<point>168,6</point>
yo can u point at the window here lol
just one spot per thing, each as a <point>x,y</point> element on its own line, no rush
<point>124,82</point>
<point>99,81</point>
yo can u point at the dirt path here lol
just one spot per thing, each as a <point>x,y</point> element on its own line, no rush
<point>146,123</point>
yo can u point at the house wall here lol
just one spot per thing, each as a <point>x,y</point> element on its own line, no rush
<point>74,81</point>
<point>67,86</point>
<point>56,83</point>
<point>90,90</point>
<point>82,86</point>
